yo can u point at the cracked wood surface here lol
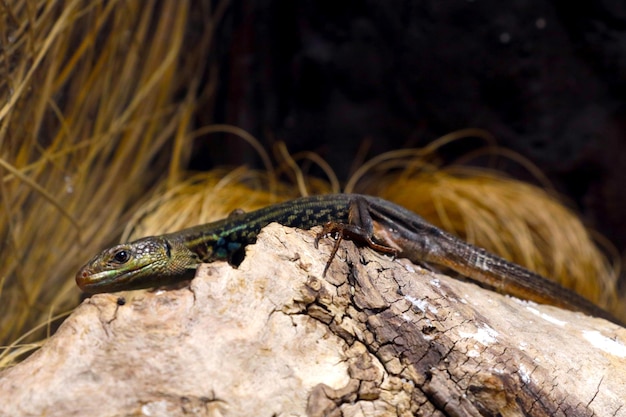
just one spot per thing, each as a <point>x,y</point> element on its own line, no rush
<point>376,336</point>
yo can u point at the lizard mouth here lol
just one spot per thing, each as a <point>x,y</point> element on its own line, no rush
<point>107,281</point>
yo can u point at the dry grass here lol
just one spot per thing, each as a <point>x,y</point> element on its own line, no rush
<point>97,101</point>
<point>98,98</point>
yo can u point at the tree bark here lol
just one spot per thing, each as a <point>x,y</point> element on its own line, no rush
<point>374,337</point>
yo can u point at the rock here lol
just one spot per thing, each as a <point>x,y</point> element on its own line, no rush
<point>376,336</point>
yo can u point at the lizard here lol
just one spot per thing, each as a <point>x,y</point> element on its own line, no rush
<point>367,220</point>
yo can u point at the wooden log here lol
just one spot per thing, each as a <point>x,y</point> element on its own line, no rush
<point>375,337</point>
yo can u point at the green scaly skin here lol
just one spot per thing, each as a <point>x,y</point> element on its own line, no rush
<point>166,259</point>
<point>379,224</point>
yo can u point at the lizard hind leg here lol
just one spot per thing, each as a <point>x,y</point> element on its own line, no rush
<point>353,232</point>
<point>359,229</point>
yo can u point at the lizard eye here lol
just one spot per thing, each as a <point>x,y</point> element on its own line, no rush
<point>121,256</point>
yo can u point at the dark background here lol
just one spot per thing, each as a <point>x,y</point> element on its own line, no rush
<point>547,78</point>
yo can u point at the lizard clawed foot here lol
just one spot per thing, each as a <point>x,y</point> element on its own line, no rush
<point>351,232</point>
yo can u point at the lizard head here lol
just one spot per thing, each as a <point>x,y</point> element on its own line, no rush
<point>147,262</point>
